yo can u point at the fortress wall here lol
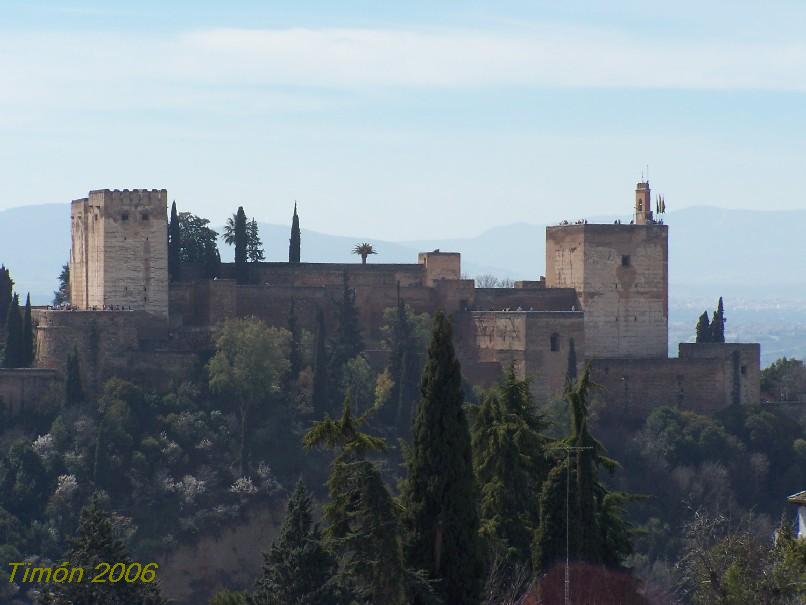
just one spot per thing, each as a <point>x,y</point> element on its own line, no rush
<point>21,388</point>
<point>547,368</point>
<point>633,387</point>
<point>101,338</point>
<point>329,274</point>
<point>485,338</point>
<point>742,363</point>
<point>621,275</point>
<point>540,299</point>
<point>440,266</point>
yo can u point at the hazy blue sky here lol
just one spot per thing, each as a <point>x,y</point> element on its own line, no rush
<point>412,119</point>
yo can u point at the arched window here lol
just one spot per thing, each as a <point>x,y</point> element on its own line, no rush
<point>554,342</point>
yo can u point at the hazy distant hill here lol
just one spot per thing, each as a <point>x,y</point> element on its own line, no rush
<point>754,258</point>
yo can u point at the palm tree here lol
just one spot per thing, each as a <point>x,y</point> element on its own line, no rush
<point>364,249</point>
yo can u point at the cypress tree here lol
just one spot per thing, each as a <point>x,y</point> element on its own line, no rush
<point>295,344</point>
<point>297,568</point>
<point>571,373</point>
<point>73,391</point>
<point>294,244</point>
<point>718,323</point>
<point>321,389</point>
<point>510,466</point>
<point>703,328</point>
<point>14,353</point>
<point>347,342</point>
<point>405,365</point>
<point>6,291</point>
<point>27,335</point>
<point>439,496</point>
<point>240,238</point>
<point>174,244</point>
<point>95,542</point>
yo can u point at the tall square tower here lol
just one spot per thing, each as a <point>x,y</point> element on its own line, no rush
<point>119,253</point>
<point>621,276</point>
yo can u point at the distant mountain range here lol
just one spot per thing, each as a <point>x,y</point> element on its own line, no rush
<point>756,259</point>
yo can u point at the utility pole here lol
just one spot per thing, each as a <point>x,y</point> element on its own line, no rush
<point>568,449</point>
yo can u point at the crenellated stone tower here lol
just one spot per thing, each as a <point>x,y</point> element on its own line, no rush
<point>119,253</point>
<point>620,273</point>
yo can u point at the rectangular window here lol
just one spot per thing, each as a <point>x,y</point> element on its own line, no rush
<point>625,260</point>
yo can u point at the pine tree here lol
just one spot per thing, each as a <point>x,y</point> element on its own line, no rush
<point>295,344</point>
<point>14,353</point>
<point>27,335</point>
<point>95,542</point>
<point>73,391</point>
<point>597,531</point>
<point>509,458</point>
<point>254,247</point>
<point>6,291</point>
<point>704,328</point>
<point>297,568</point>
<point>321,387</point>
<point>571,373</point>
<point>718,323</point>
<point>362,530</point>
<point>439,495</point>
<point>347,343</point>
<point>295,243</point>
<point>174,244</point>
<point>62,295</point>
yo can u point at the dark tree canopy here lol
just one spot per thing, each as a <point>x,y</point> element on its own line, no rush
<point>347,342</point>
<point>73,391</point>
<point>718,323</point>
<point>27,335</point>
<point>199,243</point>
<point>295,243</point>
<point>320,400</point>
<point>297,568</point>
<point>703,328</point>
<point>6,291</point>
<point>254,246</point>
<point>236,233</point>
<point>14,356</point>
<point>439,495</point>
<point>62,295</point>
<point>174,244</point>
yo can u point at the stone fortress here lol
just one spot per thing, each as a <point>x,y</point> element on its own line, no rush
<point>605,293</point>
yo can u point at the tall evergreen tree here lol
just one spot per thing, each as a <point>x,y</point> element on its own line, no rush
<point>254,247</point>
<point>363,530</point>
<point>73,391</point>
<point>62,295</point>
<point>295,243</point>
<point>571,372</point>
<point>574,500</point>
<point>96,542</point>
<point>405,365</point>
<point>15,350</point>
<point>704,328</point>
<point>27,335</point>
<point>297,568</point>
<point>439,495</point>
<point>347,342</point>
<point>6,291</point>
<point>718,323</point>
<point>509,458</point>
<point>174,244</point>
<point>320,399</point>
<point>295,344</point>
<point>236,234</point>
<point>199,243</point>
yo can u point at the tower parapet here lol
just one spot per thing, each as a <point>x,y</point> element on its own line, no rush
<point>119,253</point>
<point>643,200</point>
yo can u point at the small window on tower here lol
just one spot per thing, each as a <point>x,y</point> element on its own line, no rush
<point>124,216</point>
<point>625,260</point>
<point>554,342</point>
<point>144,216</point>
<point>640,205</point>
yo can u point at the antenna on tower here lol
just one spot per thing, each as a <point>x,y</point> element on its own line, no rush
<point>647,173</point>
